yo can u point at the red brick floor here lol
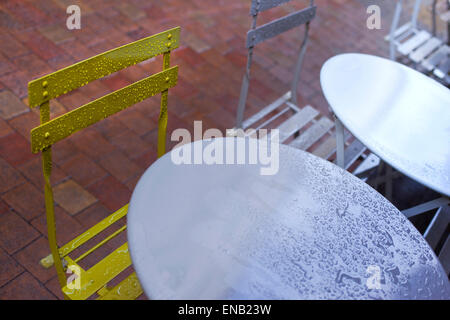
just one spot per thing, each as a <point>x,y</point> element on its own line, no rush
<point>96,170</point>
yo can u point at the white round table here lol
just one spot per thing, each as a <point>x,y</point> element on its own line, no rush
<point>311,231</point>
<point>400,114</point>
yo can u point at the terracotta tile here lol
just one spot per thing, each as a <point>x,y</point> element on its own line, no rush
<point>26,199</point>
<point>9,177</point>
<point>67,228</point>
<point>11,105</point>
<point>94,90</point>
<point>53,286</point>
<point>24,123</point>
<point>92,143</point>
<point>30,256</point>
<point>63,150</point>
<point>131,183</point>
<point>3,207</point>
<point>74,99</point>
<point>110,127</point>
<point>135,73</point>
<point>136,121</point>
<point>146,159</point>
<point>32,65</point>
<point>57,33</point>
<point>72,197</point>
<point>92,215</point>
<point>9,268</point>
<point>31,14</point>
<point>130,143</point>
<point>32,170</point>
<point>61,61</point>
<point>11,47</point>
<point>119,166</point>
<point>40,45</point>
<point>6,66</point>
<point>5,129</point>
<point>115,82</point>
<point>77,49</point>
<point>111,193</point>
<point>15,232</point>
<point>131,11</point>
<point>25,287</point>
<point>83,170</point>
<point>16,82</point>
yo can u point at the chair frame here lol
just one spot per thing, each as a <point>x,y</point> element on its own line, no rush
<point>259,34</point>
<point>432,56</point>
<point>50,131</point>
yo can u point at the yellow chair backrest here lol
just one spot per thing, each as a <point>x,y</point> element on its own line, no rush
<point>50,131</point>
<point>42,90</point>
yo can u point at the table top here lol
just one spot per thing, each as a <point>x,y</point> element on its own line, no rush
<point>400,114</point>
<point>311,231</point>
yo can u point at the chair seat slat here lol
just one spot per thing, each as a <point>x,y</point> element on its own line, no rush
<point>100,274</point>
<point>93,231</point>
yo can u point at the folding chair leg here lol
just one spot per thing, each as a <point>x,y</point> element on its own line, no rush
<point>437,226</point>
<point>339,143</point>
<point>388,182</point>
<point>298,65</point>
<point>398,10</point>
<point>242,101</point>
<point>427,206</point>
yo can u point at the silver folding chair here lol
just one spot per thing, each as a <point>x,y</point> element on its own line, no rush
<point>424,50</point>
<point>431,55</point>
<point>310,130</point>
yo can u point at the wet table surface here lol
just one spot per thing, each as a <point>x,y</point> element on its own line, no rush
<point>310,231</point>
<point>400,114</point>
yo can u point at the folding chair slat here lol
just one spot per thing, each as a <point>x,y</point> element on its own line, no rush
<point>127,289</point>
<point>279,26</point>
<point>312,134</point>
<point>424,50</point>
<point>401,31</point>
<point>445,16</point>
<point>93,231</point>
<point>412,43</point>
<point>263,5</point>
<point>436,58</point>
<point>353,152</point>
<point>326,148</point>
<point>370,162</point>
<point>441,70</point>
<point>100,274</point>
<point>437,226</point>
<point>265,111</point>
<point>81,73</point>
<point>61,127</point>
<point>296,122</point>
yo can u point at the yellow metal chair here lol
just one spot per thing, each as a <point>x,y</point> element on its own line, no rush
<point>95,280</point>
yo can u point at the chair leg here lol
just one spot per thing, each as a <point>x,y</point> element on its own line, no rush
<point>339,143</point>
<point>388,182</point>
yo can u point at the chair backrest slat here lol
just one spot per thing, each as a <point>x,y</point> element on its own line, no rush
<point>278,26</point>
<point>263,5</point>
<point>79,74</point>
<point>61,127</point>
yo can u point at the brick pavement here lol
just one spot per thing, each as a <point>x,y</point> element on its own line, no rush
<point>96,170</point>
